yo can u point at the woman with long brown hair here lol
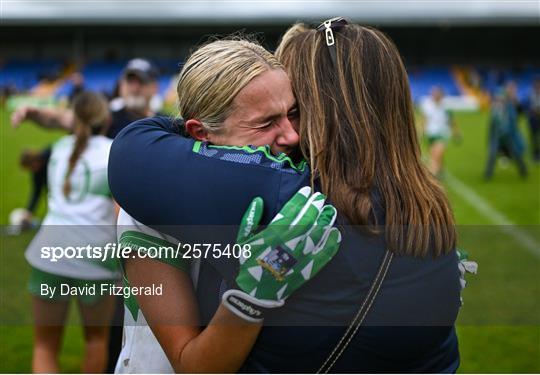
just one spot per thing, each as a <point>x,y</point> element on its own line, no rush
<point>80,213</point>
<point>357,131</point>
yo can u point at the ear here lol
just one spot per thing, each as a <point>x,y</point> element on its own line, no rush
<point>196,130</point>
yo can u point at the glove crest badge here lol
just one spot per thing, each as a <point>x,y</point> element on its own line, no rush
<point>278,262</point>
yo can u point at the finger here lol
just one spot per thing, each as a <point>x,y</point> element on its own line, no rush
<point>470,266</point>
<point>291,209</point>
<point>306,218</point>
<point>276,233</point>
<point>312,207</point>
<point>324,223</point>
<point>462,254</point>
<point>313,263</point>
<point>330,243</point>
<point>326,252</point>
<point>250,220</point>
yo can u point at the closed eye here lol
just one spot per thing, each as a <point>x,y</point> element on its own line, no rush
<point>293,113</point>
<point>266,124</point>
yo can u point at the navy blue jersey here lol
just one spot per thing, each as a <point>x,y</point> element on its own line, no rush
<point>173,183</point>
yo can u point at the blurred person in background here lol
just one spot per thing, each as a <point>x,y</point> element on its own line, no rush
<point>515,110</point>
<point>80,212</point>
<point>438,125</point>
<point>137,86</point>
<point>504,136</point>
<point>534,119</point>
<point>137,89</point>
<point>35,162</point>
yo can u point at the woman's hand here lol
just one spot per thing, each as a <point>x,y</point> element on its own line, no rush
<point>291,250</point>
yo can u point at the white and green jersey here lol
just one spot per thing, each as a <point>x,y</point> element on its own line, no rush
<point>141,351</point>
<point>89,202</point>
<point>437,118</point>
<point>85,217</point>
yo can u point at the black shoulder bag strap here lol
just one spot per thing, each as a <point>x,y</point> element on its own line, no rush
<point>359,317</point>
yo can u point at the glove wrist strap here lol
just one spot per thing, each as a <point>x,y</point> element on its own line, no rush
<point>243,305</point>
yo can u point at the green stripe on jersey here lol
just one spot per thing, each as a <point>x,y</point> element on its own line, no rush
<point>166,251</point>
<point>281,158</point>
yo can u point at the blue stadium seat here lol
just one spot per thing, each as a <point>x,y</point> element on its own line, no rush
<point>422,79</point>
<point>24,74</point>
<point>102,76</point>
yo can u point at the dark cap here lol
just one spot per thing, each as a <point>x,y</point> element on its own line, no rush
<point>142,69</point>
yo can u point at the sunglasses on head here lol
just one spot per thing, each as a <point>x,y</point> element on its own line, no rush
<point>328,27</point>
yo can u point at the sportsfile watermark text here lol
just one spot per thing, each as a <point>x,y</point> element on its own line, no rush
<point>119,251</point>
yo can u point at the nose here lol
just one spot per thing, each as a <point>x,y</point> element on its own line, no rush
<point>135,87</point>
<point>287,138</point>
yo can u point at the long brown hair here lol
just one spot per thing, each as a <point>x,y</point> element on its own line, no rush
<point>91,113</point>
<point>357,130</point>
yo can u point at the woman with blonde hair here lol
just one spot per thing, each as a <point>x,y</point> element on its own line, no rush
<point>232,93</point>
<point>80,213</point>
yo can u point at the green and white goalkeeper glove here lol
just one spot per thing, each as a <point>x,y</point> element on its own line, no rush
<point>291,250</point>
<point>465,266</point>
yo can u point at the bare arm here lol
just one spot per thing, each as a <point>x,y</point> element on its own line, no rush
<point>221,347</point>
<point>45,117</point>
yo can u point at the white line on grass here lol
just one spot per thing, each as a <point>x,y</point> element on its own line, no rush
<point>496,217</point>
